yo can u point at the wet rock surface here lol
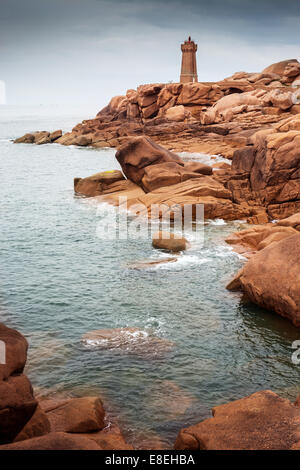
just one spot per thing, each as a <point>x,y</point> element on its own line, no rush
<point>271,278</point>
<point>262,421</point>
<point>17,403</point>
<point>169,241</point>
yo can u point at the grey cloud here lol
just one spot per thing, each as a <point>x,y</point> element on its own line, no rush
<point>87,50</point>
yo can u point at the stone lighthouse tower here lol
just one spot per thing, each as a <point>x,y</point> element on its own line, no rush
<point>188,63</point>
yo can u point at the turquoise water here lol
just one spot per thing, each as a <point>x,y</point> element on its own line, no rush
<point>58,280</point>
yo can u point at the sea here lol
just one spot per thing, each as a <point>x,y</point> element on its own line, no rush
<point>59,280</point>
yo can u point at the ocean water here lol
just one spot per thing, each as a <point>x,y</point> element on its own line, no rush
<point>58,281</point>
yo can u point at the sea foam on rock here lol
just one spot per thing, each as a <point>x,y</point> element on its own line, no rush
<point>128,339</point>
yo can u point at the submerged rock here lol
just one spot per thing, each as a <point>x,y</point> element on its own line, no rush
<point>262,421</point>
<point>152,263</point>
<point>149,440</point>
<point>60,423</point>
<point>130,340</point>
<point>169,400</point>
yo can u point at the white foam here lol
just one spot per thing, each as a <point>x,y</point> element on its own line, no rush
<point>182,261</point>
<point>204,158</point>
<point>117,341</point>
<point>217,222</point>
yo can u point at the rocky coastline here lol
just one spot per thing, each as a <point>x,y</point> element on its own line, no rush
<point>252,119</point>
<point>261,421</point>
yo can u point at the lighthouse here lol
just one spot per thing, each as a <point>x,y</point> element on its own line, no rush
<point>188,62</point>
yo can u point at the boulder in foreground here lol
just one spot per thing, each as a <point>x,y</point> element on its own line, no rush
<point>17,403</point>
<point>262,421</point>
<point>38,425</point>
<point>54,441</point>
<point>78,415</point>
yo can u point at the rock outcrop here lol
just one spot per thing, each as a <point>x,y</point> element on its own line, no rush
<point>39,138</point>
<point>262,421</point>
<point>214,117</point>
<point>158,177</point>
<point>252,118</point>
<point>17,403</point>
<point>266,172</point>
<point>251,240</point>
<point>271,278</point>
<point>30,424</point>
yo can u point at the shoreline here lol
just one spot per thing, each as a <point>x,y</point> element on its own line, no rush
<point>248,118</point>
<point>59,422</point>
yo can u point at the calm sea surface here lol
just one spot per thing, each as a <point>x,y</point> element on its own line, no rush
<point>58,280</point>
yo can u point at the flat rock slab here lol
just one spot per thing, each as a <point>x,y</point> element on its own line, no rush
<point>262,421</point>
<point>152,263</point>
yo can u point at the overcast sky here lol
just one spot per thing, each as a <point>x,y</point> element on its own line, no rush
<point>85,51</point>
